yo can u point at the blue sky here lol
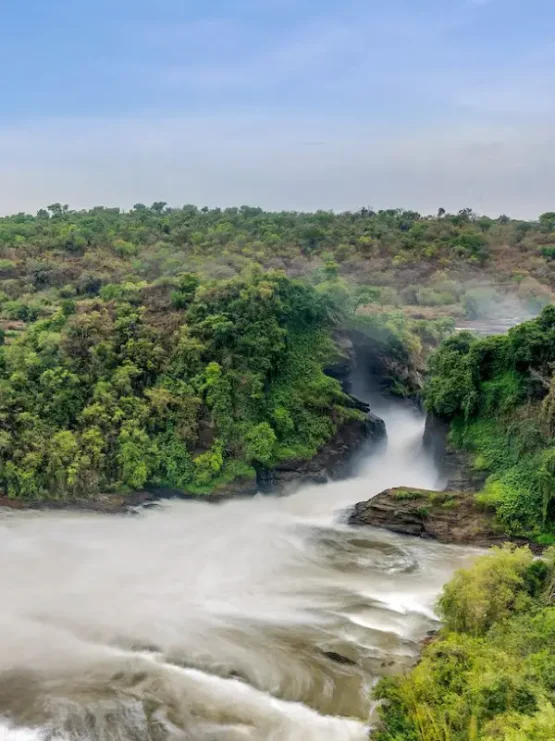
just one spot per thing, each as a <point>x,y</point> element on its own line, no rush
<point>283,103</point>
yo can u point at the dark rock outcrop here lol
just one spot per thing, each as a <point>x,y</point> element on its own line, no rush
<point>386,366</point>
<point>102,503</point>
<point>454,466</point>
<point>243,486</point>
<point>334,461</point>
<point>379,365</point>
<point>447,516</point>
<point>344,366</point>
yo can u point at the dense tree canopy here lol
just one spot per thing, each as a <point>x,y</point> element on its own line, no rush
<point>153,345</point>
<point>407,258</point>
<point>185,385</point>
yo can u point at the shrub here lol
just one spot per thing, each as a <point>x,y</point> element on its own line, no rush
<point>489,674</point>
<point>452,388</point>
<point>261,441</point>
<point>492,590</point>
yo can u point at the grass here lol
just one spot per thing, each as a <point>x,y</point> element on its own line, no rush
<point>407,495</point>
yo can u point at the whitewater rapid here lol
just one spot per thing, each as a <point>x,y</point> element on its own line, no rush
<point>262,620</point>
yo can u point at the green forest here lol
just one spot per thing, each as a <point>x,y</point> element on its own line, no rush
<point>184,347</point>
<point>459,262</point>
<point>186,386</point>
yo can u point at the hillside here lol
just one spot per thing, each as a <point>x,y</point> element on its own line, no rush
<point>188,387</point>
<point>186,348</point>
<point>461,263</point>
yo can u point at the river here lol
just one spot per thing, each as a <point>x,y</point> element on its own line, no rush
<point>262,620</point>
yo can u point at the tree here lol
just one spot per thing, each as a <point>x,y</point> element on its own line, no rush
<point>478,597</point>
<point>365,295</point>
<point>547,221</point>
<point>261,442</point>
<point>134,455</point>
<point>473,244</point>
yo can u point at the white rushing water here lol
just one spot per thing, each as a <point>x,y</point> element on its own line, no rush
<point>264,619</point>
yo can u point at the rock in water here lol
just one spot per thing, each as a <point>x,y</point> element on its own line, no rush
<point>446,516</point>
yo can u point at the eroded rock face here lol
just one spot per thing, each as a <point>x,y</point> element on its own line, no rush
<point>384,367</point>
<point>388,366</point>
<point>447,516</point>
<point>454,466</point>
<point>334,461</point>
<point>345,364</point>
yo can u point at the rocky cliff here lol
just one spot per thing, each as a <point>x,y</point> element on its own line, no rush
<point>335,460</point>
<point>454,466</point>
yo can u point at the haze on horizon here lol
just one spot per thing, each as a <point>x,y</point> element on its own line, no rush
<point>296,105</point>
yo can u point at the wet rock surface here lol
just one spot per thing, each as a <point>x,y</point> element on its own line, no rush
<point>446,516</point>
<point>454,466</point>
<point>130,502</point>
<point>345,364</point>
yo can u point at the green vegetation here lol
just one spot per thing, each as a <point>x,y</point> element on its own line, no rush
<point>490,673</point>
<point>186,384</point>
<point>499,395</point>
<point>409,495</point>
<point>398,258</point>
<point>177,347</point>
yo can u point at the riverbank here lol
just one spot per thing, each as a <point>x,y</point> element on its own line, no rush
<point>488,674</point>
<point>335,461</point>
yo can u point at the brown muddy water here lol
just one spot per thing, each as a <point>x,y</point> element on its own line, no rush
<point>259,620</point>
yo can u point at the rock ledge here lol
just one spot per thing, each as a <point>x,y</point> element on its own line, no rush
<point>446,516</point>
